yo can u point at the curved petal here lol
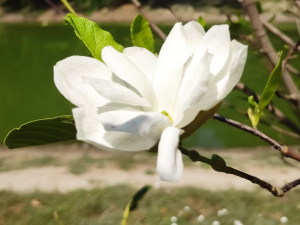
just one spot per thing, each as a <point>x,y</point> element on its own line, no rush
<point>169,158</point>
<point>126,70</point>
<point>143,59</point>
<point>91,130</point>
<point>116,92</point>
<point>217,42</point>
<point>68,78</point>
<point>193,92</point>
<point>169,70</point>
<point>218,91</point>
<point>134,122</point>
<point>193,32</point>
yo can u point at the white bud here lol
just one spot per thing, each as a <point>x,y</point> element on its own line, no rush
<point>174,224</point>
<point>225,211</point>
<point>237,222</point>
<point>216,223</point>
<point>201,218</point>
<point>187,208</point>
<point>174,219</point>
<point>284,219</point>
<point>220,213</point>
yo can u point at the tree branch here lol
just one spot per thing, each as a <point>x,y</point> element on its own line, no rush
<point>155,28</point>
<point>283,149</point>
<point>267,48</point>
<point>221,167</point>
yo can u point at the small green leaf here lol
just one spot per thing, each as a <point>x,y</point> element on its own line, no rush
<point>253,112</point>
<point>94,38</point>
<point>202,22</point>
<point>134,202</point>
<point>258,7</point>
<point>141,34</point>
<point>57,219</point>
<point>254,117</point>
<point>40,132</point>
<point>218,164</point>
<point>272,85</point>
<point>271,20</point>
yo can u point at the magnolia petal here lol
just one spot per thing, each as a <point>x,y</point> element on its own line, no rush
<point>143,59</point>
<point>217,42</point>
<point>169,70</point>
<point>218,91</point>
<point>68,78</point>
<point>116,92</point>
<point>193,32</point>
<point>91,130</point>
<point>169,158</point>
<point>193,92</point>
<point>134,122</point>
<point>126,70</point>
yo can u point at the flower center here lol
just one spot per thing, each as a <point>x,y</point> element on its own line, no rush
<point>168,115</point>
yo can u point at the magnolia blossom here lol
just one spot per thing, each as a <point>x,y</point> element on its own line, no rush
<point>135,99</point>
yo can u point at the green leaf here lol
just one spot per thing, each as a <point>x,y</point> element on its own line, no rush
<point>218,164</point>
<point>40,132</point>
<point>141,33</point>
<point>254,112</point>
<point>94,38</point>
<point>271,20</point>
<point>272,85</point>
<point>134,202</point>
<point>258,7</point>
<point>202,22</point>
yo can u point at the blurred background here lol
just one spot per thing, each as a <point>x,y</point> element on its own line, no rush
<point>88,186</point>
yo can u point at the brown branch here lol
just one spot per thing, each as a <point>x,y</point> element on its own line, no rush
<point>155,28</point>
<point>275,111</point>
<point>55,7</point>
<point>294,14</point>
<point>297,3</point>
<point>220,166</point>
<point>283,149</point>
<point>274,30</point>
<point>267,48</point>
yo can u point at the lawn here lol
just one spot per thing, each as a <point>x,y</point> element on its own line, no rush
<point>105,207</point>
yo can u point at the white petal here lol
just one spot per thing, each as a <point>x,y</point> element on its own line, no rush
<point>217,42</point>
<point>143,59</point>
<point>91,130</point>
<point>218,91</point>
<point>169,70</point>
<point>193,92</point>
<point>126,70</point>
<point>116,92</point>
<point>193,32</point>
<point>134,122</point>
<point>68,75</point>
<point>169,159</point>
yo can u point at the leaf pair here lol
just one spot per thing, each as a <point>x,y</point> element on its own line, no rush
<point>256,109</point>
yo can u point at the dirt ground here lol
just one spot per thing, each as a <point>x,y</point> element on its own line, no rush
<point>66,167</point>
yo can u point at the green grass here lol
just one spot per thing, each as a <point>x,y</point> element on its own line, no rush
<point>7,165</point>
<point>105,207</point>
<point>81,165</point>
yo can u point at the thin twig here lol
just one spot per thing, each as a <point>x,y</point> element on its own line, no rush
<point>155,28</point>
<point>294,14</point>
<point>57,9</point>
<point>274,30</point>
<point>221,167</point>
<point>297,3</point>
<point>283,149</point>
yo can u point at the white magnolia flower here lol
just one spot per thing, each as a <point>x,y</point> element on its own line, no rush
<point>134,99</point>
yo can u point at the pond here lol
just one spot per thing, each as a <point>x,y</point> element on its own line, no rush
<point>28,53</point>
